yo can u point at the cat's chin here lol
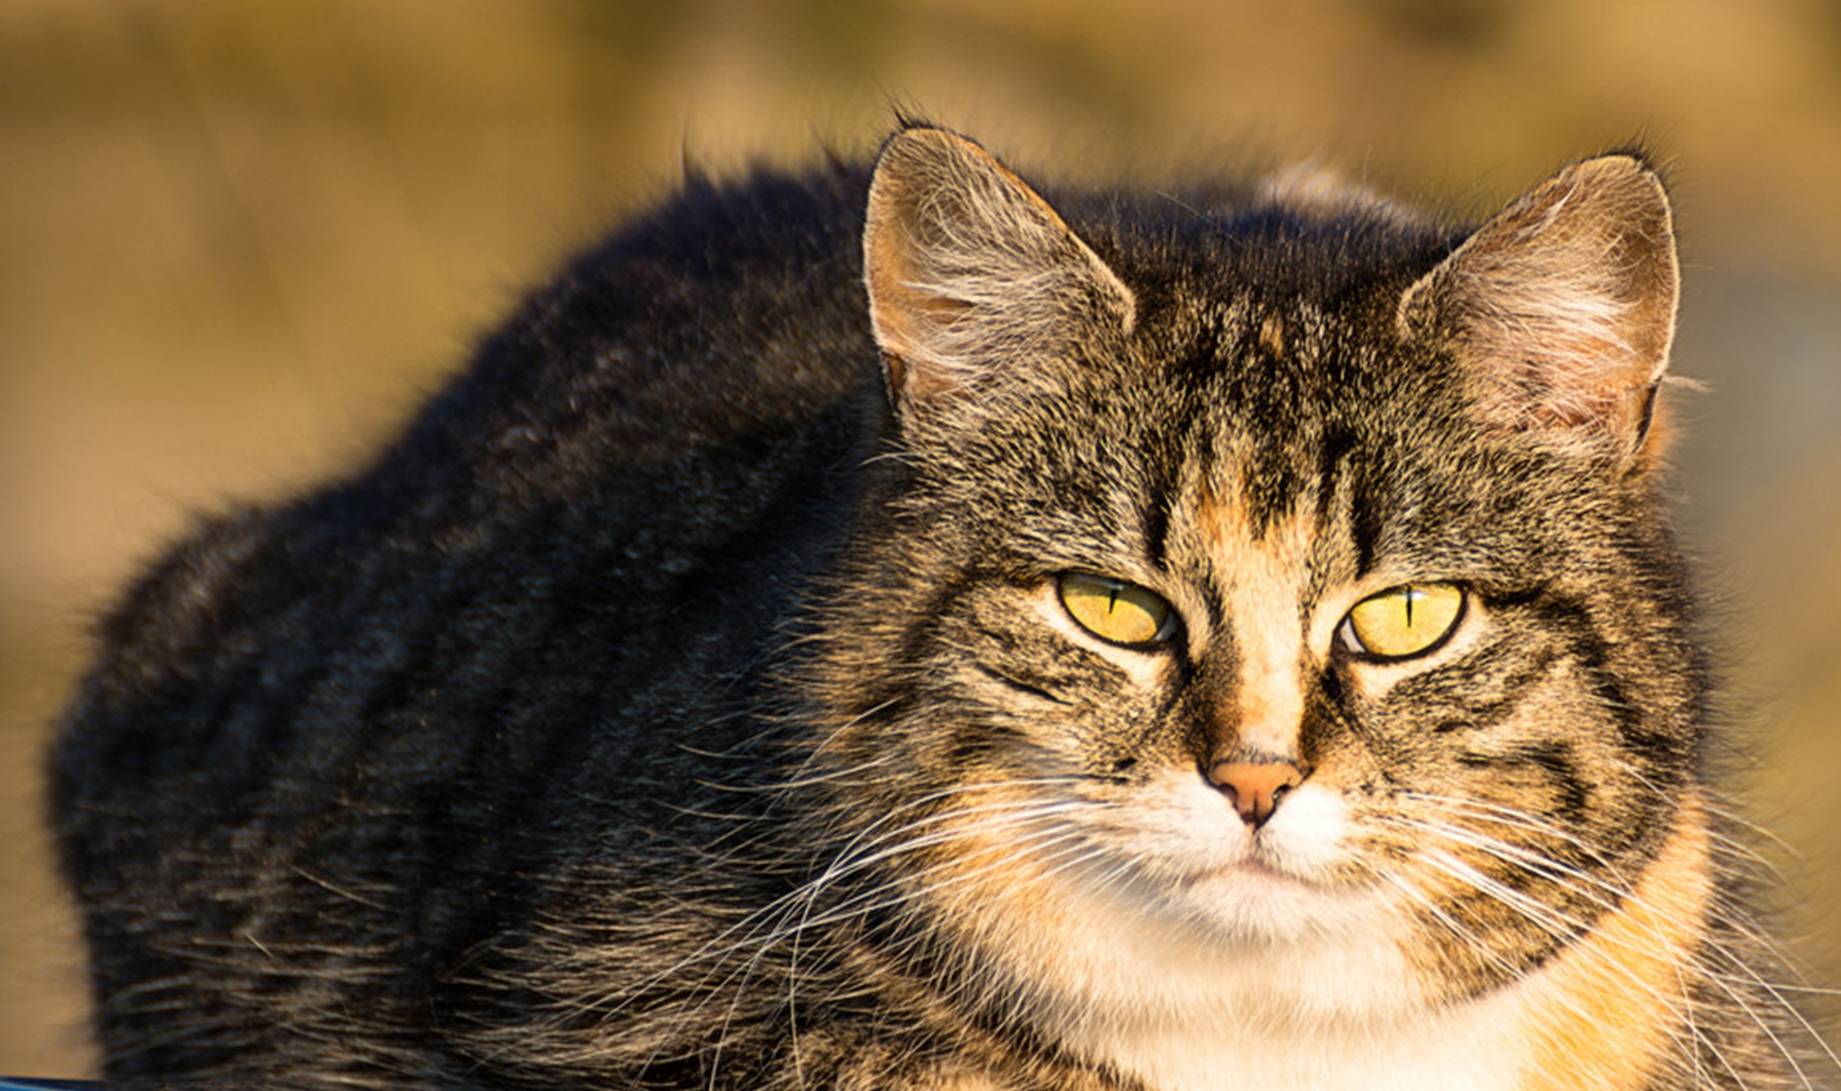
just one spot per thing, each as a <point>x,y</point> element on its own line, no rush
<point>1240,941</point>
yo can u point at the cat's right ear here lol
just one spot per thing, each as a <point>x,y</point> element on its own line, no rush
<point>969,270</point>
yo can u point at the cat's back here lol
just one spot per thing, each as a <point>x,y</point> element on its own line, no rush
<point>688,359</point>
<point>322,718</point>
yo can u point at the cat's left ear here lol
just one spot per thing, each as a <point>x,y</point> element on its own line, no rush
<point>970,271</point>
<point>1562,306</point>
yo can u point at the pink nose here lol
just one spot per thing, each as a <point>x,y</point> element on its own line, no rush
<point>1254,787</point>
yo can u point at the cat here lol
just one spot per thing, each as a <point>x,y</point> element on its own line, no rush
<point>885,627</point>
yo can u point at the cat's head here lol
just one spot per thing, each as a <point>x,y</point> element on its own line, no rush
<point>1281,577</point>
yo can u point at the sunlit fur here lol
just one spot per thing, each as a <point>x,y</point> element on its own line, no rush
<point>687,701</point>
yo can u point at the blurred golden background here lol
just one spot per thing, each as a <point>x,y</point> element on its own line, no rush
<point>239,239</point>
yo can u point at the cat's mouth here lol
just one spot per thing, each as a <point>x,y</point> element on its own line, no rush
<point>1253,868</point>
<point>1256,898</point>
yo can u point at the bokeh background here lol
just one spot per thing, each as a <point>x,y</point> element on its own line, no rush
<point>239,239</point>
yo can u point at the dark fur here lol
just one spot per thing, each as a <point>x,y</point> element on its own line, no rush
<point>471,769</point>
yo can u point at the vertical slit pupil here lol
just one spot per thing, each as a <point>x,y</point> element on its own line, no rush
<point>1410,596</point>
<point>1112,598</point>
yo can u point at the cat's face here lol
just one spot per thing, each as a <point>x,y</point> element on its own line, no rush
<point>1228,616</point>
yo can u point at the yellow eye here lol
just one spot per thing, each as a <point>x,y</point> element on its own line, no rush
<point>1123,613</point>
<point>1404,621</point>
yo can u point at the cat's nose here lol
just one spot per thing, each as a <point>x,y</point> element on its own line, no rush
<point>1254,787</point>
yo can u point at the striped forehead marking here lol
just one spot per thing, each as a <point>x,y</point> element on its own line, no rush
<point>1263,577</point>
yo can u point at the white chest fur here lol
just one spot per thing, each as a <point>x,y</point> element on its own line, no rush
<point>1335,1007</point>
<point>1475,1049</point>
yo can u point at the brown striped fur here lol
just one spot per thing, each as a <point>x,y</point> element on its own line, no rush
<point>687,702</point>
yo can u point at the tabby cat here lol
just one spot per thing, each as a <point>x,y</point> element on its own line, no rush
<point>1229,640</point>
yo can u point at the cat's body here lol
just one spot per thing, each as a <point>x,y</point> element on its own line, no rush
<point>687,702</point>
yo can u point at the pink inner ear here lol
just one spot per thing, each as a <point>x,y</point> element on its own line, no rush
<point>904,315</point>
<point>1559,381</point>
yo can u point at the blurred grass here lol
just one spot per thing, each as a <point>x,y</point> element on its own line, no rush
<point>241,239</point>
